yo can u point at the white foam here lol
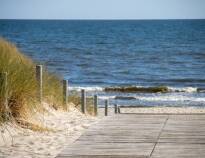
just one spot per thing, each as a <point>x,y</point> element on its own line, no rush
<point>181,95</point>
<point>94,88</point>
<point>106,97</point>
<point>183,89</point>
<point>175,98</point>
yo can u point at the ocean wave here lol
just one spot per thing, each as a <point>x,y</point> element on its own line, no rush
<point>201,90</point>
<point>106,97</point>
<point>92,88</point>
<point>183,89</point>
<point>136,89</point>
<point>163,98</point>
<point>140,89</point>
<point>158,89</point>
<point>189,80</point>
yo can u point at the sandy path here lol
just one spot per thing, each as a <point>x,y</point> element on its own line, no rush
<point>24,143</point>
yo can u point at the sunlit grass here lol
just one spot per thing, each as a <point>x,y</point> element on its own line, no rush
<point>22,85</point>
<point>75,98</point>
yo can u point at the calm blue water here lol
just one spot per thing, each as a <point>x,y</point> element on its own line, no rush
<point>95,54</point>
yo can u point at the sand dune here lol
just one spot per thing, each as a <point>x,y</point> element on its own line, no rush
<point>24,143</point>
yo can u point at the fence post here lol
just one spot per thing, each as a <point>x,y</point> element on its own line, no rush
<point>65,92</point>
<point>115,108</point>
<point>118,109</point>
<point>39,78</point>
<point>106,107</point>
<point>83,101</point>
<point>95,105</point>
<point>4,91</point>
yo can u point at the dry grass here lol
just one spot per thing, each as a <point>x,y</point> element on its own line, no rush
<point>76,100</point>
<point>33,126</point>
<point>22,89</point>
<point>22,86</point>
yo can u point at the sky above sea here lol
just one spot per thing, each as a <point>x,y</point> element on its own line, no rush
<point>102,9</point>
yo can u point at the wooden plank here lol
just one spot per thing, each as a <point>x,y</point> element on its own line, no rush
<point>109,149</point>
<point>176,150</point>
<point>183,136</point>
<point>115,136</point>
<point>136,136</point>
<point>103,156</point>
<point>184,129</point>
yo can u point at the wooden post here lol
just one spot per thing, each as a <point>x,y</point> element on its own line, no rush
<point>95,105</point>
<point>65,92</point>
<point>39,78</point>
<point>4,90</point>
<point>118,109</point>
<point>83,101</point>
<point>106,107</point>
<point>115,108</point>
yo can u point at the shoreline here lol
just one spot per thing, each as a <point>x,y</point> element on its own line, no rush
<point>164,110</point>
<point>157,110</point>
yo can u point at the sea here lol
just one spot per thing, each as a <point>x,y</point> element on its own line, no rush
<point>96,54</point>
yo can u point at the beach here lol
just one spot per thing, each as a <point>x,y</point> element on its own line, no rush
<point>102,79</point>
<point>154,110</point>
<point>25,143</point>
<point>121,62</point>
<point>68,126</point>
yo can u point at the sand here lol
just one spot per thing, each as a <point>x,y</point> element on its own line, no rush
<point>24,143</point>
<point>155,110</point>
<point>164,110</point>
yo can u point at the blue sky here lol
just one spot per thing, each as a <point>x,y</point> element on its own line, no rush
<point>102,9</point>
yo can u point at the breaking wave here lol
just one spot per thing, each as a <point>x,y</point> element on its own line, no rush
<point>138,89</point>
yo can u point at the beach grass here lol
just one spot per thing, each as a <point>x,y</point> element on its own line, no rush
<point>22,85</point>
<point>76,100</point>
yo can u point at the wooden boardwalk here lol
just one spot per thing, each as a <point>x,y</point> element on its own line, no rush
<point>142,136</point>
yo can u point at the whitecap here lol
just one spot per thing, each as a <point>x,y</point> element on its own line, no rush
<point>92,88</point>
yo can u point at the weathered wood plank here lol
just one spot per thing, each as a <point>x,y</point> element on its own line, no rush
<point>107,156</point>
<point>183,136</point>
<point>176,150</point>
<point>119,135</point>
<point>109,149</point>
<point>139,136</point>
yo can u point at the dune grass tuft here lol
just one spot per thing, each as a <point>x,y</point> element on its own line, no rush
<point>76,100</point>
<point>22,85</point>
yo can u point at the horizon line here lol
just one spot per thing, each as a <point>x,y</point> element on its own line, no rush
<point>105,19</point>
